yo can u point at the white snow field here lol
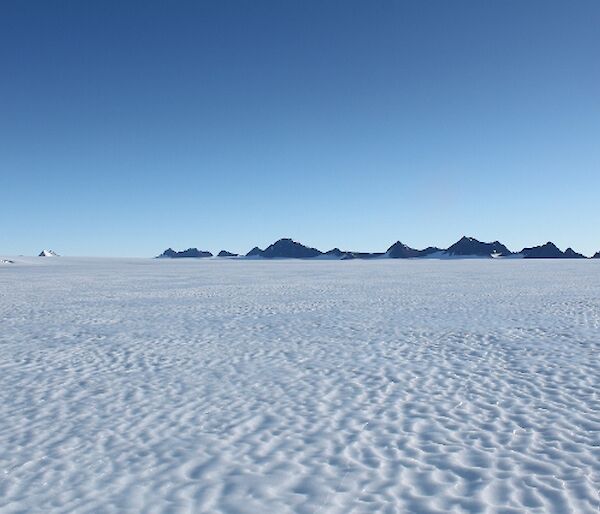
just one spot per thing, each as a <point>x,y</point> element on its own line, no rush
<point>224,386</point>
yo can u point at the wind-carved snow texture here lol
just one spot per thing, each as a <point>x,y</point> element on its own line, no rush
<point>309,387</point>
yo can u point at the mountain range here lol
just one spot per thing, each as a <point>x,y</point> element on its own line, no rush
<point>465,247</point>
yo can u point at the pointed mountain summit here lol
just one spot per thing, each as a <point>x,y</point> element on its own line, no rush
<point>596,255</point>
<point>401,251</point>
<point>572,254</point>
<point>48,253</point>
<point>287,248</point>
<point>469,246</point>
<point>550,251</point>
<point>190,253</point>
<point>335,252</point>
<point>545,251</point>
<point>255,252</point>
<point>225,253</point>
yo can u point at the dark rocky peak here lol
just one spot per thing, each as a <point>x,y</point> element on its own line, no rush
<point>545,251</point>
<point>429,250</point>
<point>572,254</point>
<point>287,248</point>
<point>401,251</point>
<point>471,246</point>
<point>335,252</point>
<point>255,252</point>
<point>190,253</point>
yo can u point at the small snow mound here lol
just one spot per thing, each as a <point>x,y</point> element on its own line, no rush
<point>6,261</point>
<point>48,253</point>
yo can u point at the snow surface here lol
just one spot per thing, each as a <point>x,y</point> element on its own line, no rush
<point>234,386</point>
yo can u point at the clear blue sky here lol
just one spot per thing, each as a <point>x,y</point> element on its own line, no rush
<point>128,127</point>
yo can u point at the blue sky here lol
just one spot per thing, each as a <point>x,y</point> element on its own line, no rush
<point>128,127</point>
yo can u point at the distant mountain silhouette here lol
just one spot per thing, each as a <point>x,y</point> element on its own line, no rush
<point>596,255</point>
<point>287,248</point>
<point>572,254</point>
<point>255,252</point>
<point>190,253</point>
<point>48,253</point>
<point>401,251</point>
<point>225,253</point>
<point>467,246</point>
<point>363,255</point>
<point>335,252</point>
<point>549,251</point>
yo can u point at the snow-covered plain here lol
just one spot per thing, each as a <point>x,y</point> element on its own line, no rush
<point>292,386</point>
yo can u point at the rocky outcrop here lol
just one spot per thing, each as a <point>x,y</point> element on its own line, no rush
<point>572,254</point>
<point>364,255</point>
<point>401,251</point>
<point>335,253</point>
<point>48,253</point>
<point>255,252</point>
<point>549,251</point>
<point>289,249</point>
<point>190,253</point>
<point>469,246</point>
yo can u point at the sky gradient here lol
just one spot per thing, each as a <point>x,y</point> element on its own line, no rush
<point>129,127</point>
